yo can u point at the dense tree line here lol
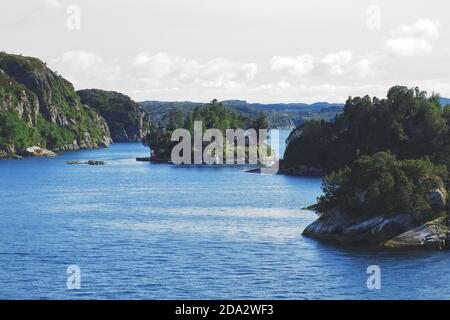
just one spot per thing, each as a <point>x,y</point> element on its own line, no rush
<point>407,122</point>
<point>387,149</point>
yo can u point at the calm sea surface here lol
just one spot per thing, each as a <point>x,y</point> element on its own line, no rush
<point>147,231</point>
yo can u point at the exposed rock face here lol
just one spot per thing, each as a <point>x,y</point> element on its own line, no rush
<point>379,229</point>
<point>397,232</point>
<point>15,97</point>
<point>39,152</point>
<point>126,120</point>
<point>333,225</point>
<point>45,101</point>
<point>438,199</point>
<point>329,226</point>
<point>430,235</point>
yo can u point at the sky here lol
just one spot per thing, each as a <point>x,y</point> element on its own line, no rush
<point>256,50</point>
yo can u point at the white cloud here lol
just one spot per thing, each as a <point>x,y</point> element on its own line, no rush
<point>163,68</point>
<point>278,85</point>
<point>338,63</point>
<point>426,28</point>
<point>297,66</point>
<point>341,63</point>
<point>162,76</point>
<point>414,40</point>
<point>82,67</point>
<point>78,60</point>
<point>163,64</point>
<point>364,68</point>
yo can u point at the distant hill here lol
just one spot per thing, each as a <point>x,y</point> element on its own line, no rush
<point>126,120</point>
<point>40,108</point>
<point>280,115</point>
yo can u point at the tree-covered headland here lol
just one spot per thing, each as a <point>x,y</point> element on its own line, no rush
<point>380,156</point>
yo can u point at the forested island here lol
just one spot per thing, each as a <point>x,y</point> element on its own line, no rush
<point>386,163</point>
<point>213,115</point>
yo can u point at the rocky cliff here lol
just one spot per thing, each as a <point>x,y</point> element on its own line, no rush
<point>126,120</point>
<point>38,107</point>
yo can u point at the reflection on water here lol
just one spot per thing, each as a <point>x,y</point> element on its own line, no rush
<point>140,230</point>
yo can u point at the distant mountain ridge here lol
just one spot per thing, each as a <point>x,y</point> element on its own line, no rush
<point>280,115</point>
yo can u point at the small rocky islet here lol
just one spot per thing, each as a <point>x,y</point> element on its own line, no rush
<point>89,162</point>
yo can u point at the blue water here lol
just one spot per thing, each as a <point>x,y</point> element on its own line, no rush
<point>147,231</point>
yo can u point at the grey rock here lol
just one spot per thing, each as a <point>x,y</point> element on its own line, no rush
<point>379,229</point>
<point>96,163</point>
<point>430,235</point>
<point>36,151</point>
<point>90,162</point>
<point>329,226</point>
<point>333,225</point>
<point>437,199</point>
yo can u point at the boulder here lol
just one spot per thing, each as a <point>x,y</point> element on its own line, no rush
<point>329,226</point>
<point>333,225</point>
<point>379,229</point>
<point>39,152</point>
<point>432,235</point>
<point>438,199</point>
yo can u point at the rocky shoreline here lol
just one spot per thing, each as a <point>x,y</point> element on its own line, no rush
<point>399,231</point>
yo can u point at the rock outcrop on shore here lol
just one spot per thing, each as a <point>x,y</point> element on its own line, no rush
<point>334,225</point>
<point>432,235</point>
<point>39,152</point>
<point>429,230</point>
<point>40,108</point>
<point>126,120</point>
<point>398,231</point>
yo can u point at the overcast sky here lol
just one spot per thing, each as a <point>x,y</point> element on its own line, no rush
<point>257,50</point>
